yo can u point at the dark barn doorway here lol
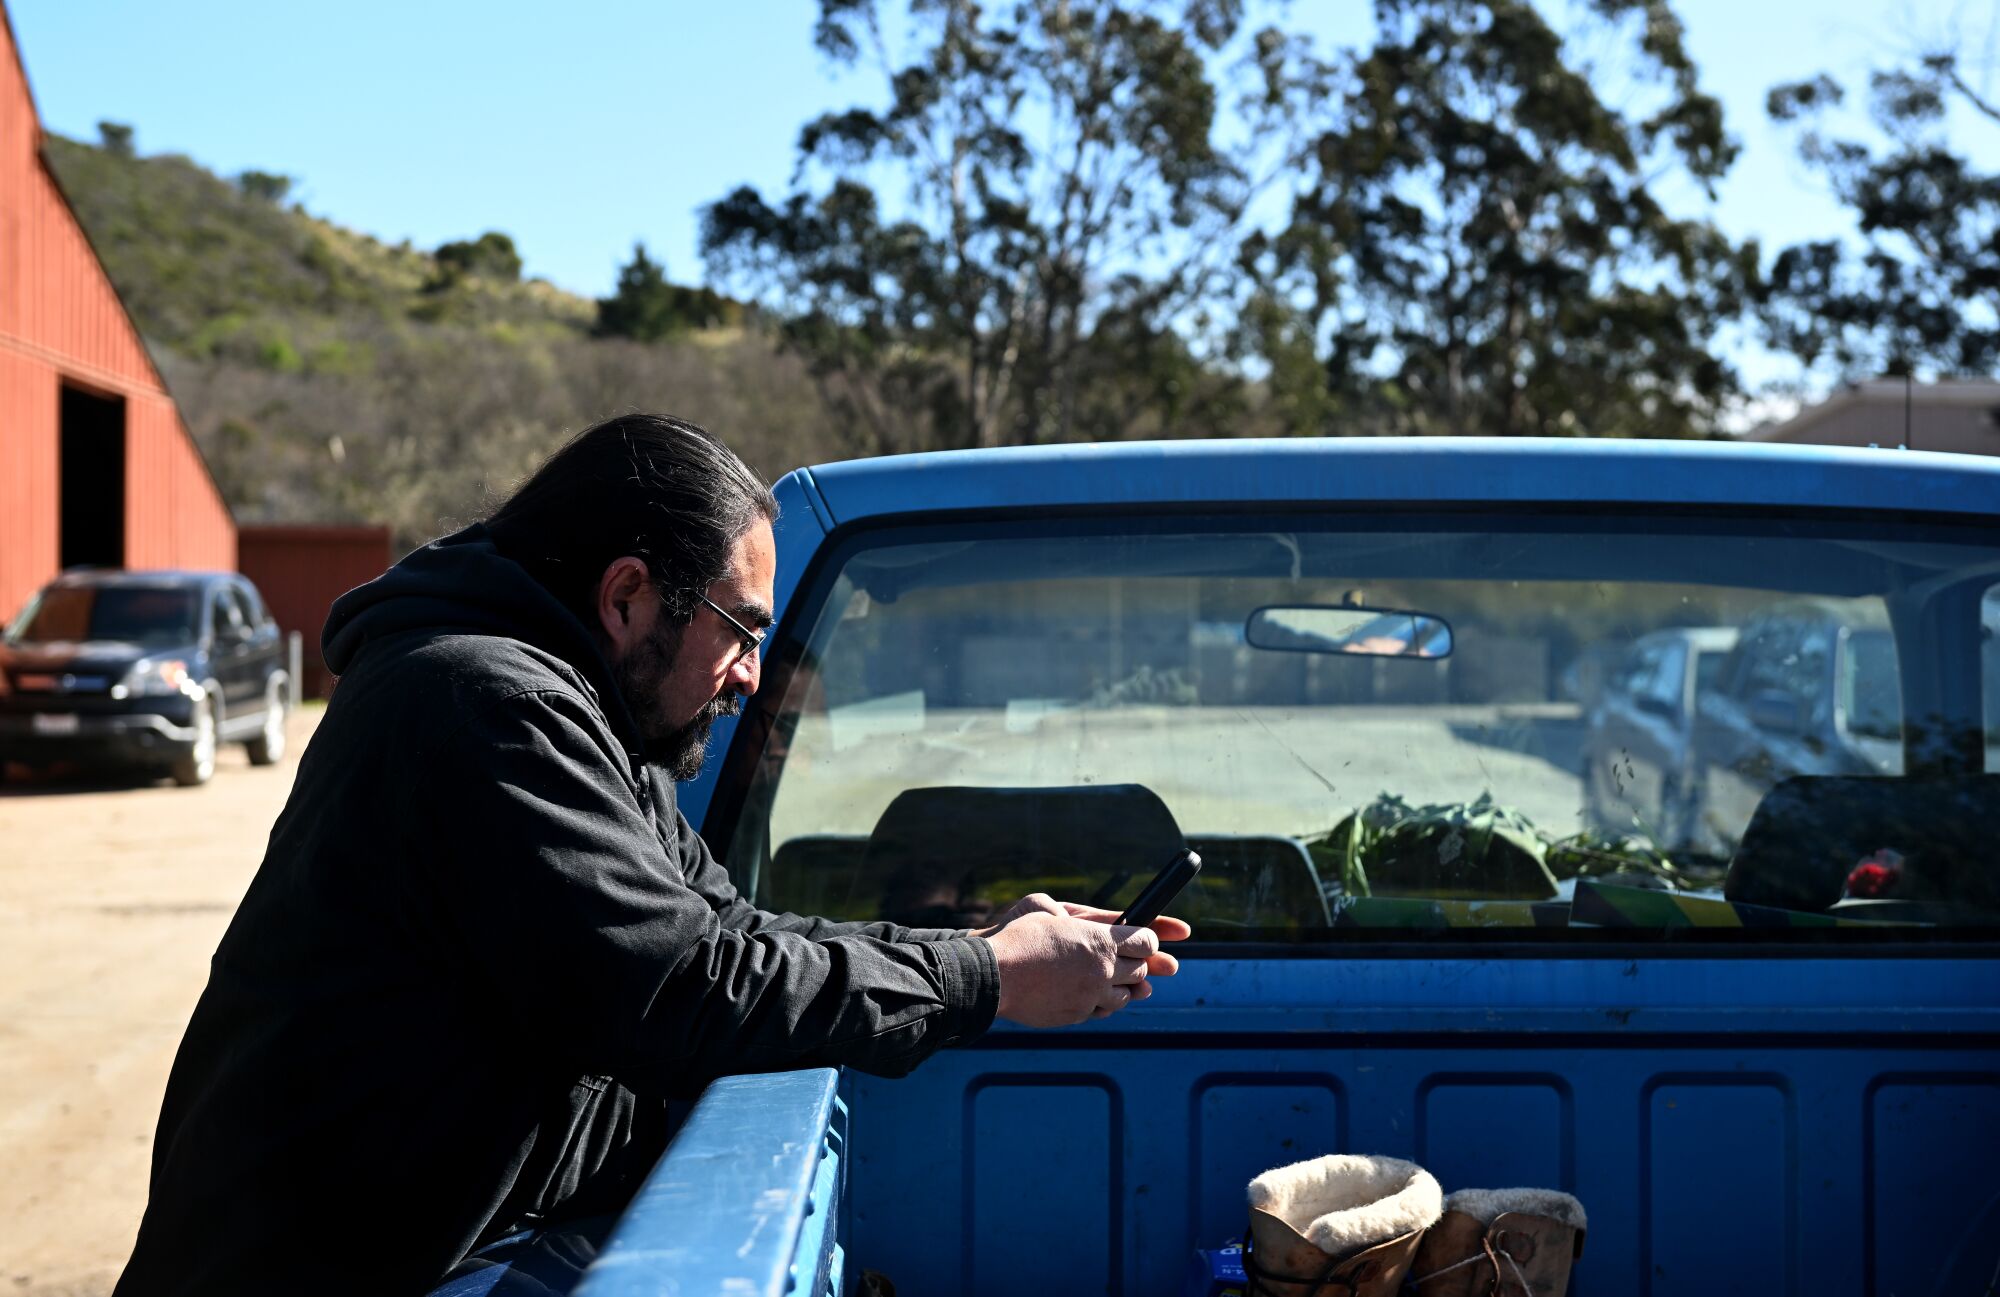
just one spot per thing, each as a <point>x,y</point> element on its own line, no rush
<point>92,474</point>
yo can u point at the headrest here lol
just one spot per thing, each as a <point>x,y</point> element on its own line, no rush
<point>936,844</point>
<point>1811,831</point>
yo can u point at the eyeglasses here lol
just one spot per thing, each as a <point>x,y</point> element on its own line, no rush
<point>752,640</point>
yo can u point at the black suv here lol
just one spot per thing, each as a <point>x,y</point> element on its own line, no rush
<point>143,669</point>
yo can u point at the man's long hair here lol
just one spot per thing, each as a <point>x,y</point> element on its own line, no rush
<point>655,487</point>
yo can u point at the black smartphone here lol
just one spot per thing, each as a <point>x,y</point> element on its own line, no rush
<point>1166,885</point>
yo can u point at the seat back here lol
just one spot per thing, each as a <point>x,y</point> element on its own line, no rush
<point>1809,833</point>
<point>948,856</point>
<point>1253,881</point>
<point>811,874</point>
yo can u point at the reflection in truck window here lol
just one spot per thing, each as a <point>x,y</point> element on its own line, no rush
<point>1063,700</point>
<point>1989,658</point>
<point>1869,697</point>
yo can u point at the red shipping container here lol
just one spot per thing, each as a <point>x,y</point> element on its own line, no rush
<point>301,570</point>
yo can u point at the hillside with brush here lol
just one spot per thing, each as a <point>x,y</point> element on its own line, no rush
<point>328,376</point>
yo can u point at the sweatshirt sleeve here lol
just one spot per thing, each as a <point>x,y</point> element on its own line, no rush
<point>560,895</point>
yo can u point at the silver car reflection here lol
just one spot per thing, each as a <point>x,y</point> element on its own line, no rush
<point>1639,767</point>
<point>1810,689</point>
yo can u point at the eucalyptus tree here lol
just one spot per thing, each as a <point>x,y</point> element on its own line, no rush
<point>1918,291</point>
<point>1032,235</point>
<point>1486,238</point>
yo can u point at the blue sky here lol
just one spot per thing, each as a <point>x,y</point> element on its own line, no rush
<point>580,128</point>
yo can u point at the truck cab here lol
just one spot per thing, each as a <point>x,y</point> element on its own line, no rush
<point>1335,670</point>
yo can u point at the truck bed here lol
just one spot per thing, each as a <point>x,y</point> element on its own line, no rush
<point>1710,1125</point>
<point>1710,1128</point>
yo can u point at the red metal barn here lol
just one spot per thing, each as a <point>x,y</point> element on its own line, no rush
<point>95,464</point>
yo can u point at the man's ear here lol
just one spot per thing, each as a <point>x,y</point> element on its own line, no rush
<point>625,604</point>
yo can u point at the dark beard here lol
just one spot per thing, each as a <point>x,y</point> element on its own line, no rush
<point>684,750</point>
<point>680,750</point>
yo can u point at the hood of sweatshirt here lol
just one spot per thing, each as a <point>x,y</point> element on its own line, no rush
<point>462,584</point>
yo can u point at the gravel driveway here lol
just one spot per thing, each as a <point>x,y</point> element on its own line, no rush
<point>112,899</point>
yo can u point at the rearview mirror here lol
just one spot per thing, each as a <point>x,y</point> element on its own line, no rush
<point>1363,632</point>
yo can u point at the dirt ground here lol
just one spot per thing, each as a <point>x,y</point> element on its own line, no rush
<point>112,898</point>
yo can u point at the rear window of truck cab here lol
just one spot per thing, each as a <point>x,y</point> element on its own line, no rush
<point>1500,728</point>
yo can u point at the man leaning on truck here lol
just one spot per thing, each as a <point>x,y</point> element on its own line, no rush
<point>484,945</point>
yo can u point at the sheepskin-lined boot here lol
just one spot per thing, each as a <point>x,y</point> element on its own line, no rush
<point>1337,1226</point>
<point>1500,1243</point>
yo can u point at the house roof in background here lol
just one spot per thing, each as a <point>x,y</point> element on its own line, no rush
<point>1885,394</point>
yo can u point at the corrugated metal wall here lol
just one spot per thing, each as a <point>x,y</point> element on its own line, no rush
<point>300,571</point>
<point>174,517</point>
<point>28,535</point>
<point>61,320</point>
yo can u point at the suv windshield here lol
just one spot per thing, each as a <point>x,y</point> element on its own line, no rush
<point>125,613</point>
<point>966,716</point>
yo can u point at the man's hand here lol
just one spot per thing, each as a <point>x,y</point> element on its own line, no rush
<point>1062,963</point>
<point>1166,927</point>
<point>1056,970</point>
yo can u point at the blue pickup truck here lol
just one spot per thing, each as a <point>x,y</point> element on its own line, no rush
<point>1434,923</point>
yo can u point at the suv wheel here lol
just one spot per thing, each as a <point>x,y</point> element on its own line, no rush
<point>197,764</point>
<point>268,748</point>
